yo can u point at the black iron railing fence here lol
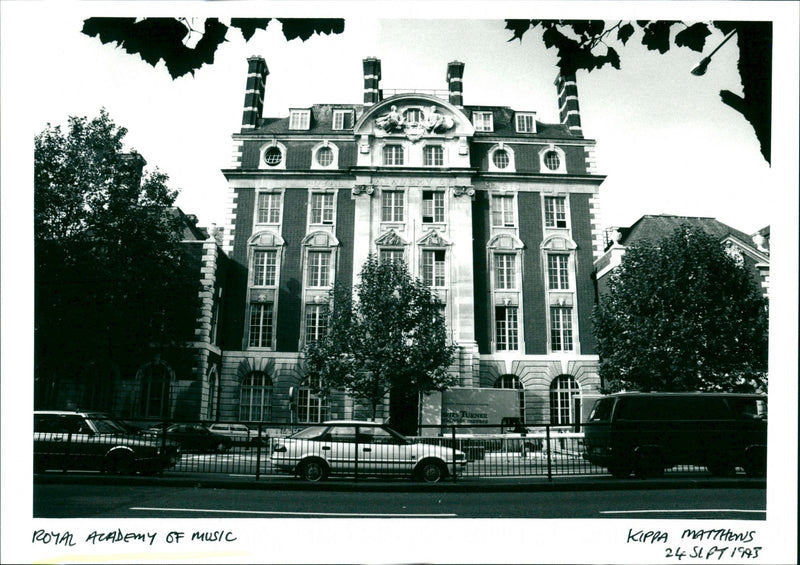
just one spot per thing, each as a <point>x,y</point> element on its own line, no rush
<point>543,450</point>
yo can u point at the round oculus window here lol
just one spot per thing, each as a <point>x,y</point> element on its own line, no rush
<point>552,161</point>
<point>500,158</point>
<point>273,156</point>
<point>325,156</point>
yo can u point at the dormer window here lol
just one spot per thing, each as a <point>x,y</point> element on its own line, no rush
<point>482,121</point>
<point>342,119</point>
<point>299,119</point>
<point>273,156</point>
<point>552,160</point>
<point>526,122</point>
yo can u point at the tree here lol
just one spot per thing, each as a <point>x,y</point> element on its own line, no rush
<point>111,278</point>
<point>586,44</point>
<point>682,315</point>
<point>392,339</point>
<point>169,39</point>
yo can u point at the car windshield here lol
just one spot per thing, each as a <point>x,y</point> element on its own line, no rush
<point>602,410</point>
<point>312,432</point>
<point>108,426</point>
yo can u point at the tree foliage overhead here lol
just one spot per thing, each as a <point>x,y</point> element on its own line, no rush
<point>682,315</point>
<point>110,274</point>
<point>392,337</point>
<point>590,44</point>
<point>169,39</point>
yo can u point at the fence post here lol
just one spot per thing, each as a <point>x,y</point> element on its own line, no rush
<point>549,459</point>
<point>67,452</point>
<point>355,478</point>
<point>163,450</point>
<point>454,453</point>
<point>258,453</point>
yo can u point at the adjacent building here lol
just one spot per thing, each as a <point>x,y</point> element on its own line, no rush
<point>751,250</point>
<point>494,209</point>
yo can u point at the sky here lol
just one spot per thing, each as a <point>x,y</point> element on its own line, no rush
<point>664,140</point>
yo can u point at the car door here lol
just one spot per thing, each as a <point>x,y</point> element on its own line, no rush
<point>239,433</point>
<point>338,448</point>
<point>382,453</point>
<point>63,441</point>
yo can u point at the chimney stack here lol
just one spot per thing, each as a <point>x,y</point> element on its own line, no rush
<point>455,74</point>
<point>257,72</point>
<point>372,79</point>
<point>568,109</point>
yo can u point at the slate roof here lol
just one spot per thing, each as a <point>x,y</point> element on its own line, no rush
<point>322,123</point>
<point>656,228</point>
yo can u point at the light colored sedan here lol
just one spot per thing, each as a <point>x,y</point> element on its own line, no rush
<point>363,448</point>
<point>239,433</point>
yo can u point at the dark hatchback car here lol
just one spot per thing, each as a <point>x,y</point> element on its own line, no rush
<point>65,440</point>
<point>193,437</point>
<point>646,433</point>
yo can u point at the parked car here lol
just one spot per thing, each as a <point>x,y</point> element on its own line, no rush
<point>193,437</point>
<point>648,432</point>
<point>366,448</point>
<point>240,434</point>
<point>95,441</point>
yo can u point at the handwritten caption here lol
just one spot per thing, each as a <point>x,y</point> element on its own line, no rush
<point>700,545</point>
<point>118,536</point>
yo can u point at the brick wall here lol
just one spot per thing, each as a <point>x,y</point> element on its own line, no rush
<point>584,259</point>
<point>530,232</point>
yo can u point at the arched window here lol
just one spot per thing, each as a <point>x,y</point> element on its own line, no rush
<point>564,401</point>
<point>255,398</point>
<point>213,394</point>
<point>311,408</point>
<point>155,391</point>
<point>513,382</point>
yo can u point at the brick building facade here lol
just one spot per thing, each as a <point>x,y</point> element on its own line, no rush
<point>495,210</point>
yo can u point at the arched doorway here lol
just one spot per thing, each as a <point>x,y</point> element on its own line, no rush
<point>255,397</point>
<point>154,394</point>
<point>312,407</point>
<point>513,382</point>
<point>565,401</point>
<point>213,394</point>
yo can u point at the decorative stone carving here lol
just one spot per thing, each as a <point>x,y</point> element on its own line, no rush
<point>436,122</point>
<point>433,239</point>
<point>391,121</point>
<point>432,122</point>
<point>734,252</point>
<point>390,239</point>
<point>463,191</point>
<point>360,189</point>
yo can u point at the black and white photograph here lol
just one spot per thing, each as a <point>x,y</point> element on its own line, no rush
<point>399,282</point>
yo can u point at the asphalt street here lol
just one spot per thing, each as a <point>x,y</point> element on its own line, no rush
<point>680,500</point>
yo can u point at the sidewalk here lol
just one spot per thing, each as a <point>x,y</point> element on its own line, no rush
<point>462,484</point>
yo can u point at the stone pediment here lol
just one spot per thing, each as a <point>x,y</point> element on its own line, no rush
<point>433,239</point>
<point>390,239</point>
<point>414,116</point>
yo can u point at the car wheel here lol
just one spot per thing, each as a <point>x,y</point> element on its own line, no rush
<point>313,470</point>
<point>649,463</point>
<point>119,463</point>
<point>432,471</point>
<point>755,463</point>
